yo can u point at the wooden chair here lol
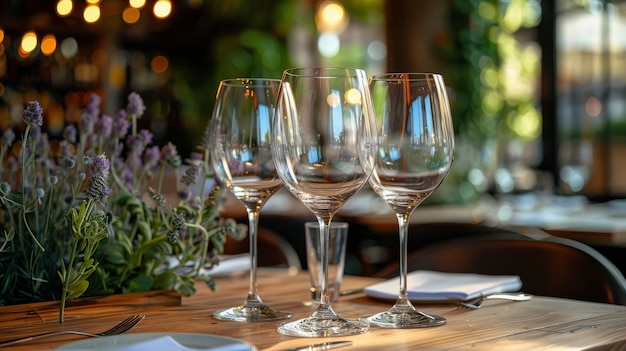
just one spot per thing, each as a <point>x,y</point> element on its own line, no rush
<point>547,265</point>
<point>272,250</point>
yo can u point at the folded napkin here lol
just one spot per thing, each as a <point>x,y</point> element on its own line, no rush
<point>229,265</point>
<point>439,286</point>
<point>157,342</point>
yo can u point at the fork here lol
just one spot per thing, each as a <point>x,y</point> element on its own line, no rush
<point>122,327</point>
<point>475,303</point>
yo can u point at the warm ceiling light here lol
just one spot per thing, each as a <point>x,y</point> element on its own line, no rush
<point>137,3</point>
<point>91,13</point>
<point>29,42</point>
<point>162,9</point>
<point>93,2</point>
<point>131,15</point>
<point>331,16</point>
<point>48,44</point>
<point>64,7</point>
<point>1,35</point>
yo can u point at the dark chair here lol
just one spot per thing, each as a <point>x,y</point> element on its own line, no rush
<point>547,265</point>
<point>272,250</point>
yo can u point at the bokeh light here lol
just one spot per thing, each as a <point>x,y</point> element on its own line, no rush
<point>64,7</point>
<point>331,16</point>
<point>162,9</point>
<point>353,96</point>
<point>48,44</point>
<point>131,15</point>
<point>159,64</point>
<point>138,4</point>
<point>29,42</point>
<point>91,13</point>
<point>69,47</point>
<point>328,44</point>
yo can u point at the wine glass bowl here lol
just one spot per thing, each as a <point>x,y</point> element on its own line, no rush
<point>241,157</point>
<point>323,147</point>
<point>415,153</point>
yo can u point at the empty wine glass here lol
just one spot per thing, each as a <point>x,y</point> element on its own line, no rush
<point>415,153</point>
<point>576,161</point>
<point>324,144</point>
<point>241,157</point>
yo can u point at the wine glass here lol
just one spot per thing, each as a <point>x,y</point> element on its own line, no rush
<point>241,157</point>
<point>324,144</point>
<point>576,160</point>
<point>415,153</point>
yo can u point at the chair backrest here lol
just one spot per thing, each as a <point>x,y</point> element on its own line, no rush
<point>272,250</point>
<point>547,265</point>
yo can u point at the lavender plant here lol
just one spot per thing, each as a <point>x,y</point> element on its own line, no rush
<point>65,234</point>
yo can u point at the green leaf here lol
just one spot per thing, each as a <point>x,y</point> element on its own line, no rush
<point>165,280</point>
<point>140,283</point>
<point>77,289</point>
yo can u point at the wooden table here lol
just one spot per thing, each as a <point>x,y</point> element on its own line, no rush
<point>541,323</point>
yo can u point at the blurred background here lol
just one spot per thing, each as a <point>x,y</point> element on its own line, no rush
<point>538,88</point>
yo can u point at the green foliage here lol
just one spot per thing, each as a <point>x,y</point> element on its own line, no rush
<point>63,236</point>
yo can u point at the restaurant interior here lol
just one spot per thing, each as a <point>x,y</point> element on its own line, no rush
<point>537,90</point>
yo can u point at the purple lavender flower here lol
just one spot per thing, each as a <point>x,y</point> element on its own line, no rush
<point>151,157</point>
<point>93,105</point>
<point>191,175</point>
<point>70,133</point>
<point>87,122</point>
<point>105,126</point>
<point>135,105</point>
<point>33,114</point>
<point>169,154</point>
<point>145,136</point>
<point>236,167</point>
<point>8,137</point>
<point>120,126</point>
<point>98,187</point>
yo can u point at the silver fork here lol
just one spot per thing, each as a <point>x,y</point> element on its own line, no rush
<point>475,303</point>
<point>124,326</point>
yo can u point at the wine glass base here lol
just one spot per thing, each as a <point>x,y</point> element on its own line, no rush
<point>405,320</point>
<point>312,327</point>
<point>244,313</point>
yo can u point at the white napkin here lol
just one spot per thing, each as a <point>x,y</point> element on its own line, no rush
<point>229,265</point>
<point>439,286</point>
<point>165,343</point>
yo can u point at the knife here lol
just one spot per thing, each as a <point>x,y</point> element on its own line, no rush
<point>322,346</point>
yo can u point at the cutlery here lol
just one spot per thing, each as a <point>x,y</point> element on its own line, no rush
<point>350,292</point>
<point>322,346</point>
<point>122,327</point>
<point>475,303</point>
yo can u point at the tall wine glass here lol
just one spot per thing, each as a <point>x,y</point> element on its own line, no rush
<point>324,144</point>
<point>241,157</point>
<point>415,153</point>
<point>576,163</point>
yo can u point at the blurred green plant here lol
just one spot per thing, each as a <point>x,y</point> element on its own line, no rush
<point>492,76</point>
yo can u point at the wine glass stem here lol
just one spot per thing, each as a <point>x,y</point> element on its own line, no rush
<point>324,238</point>
<point>403,231</point>
<point>253,226</point>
